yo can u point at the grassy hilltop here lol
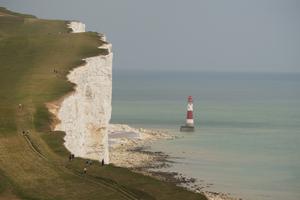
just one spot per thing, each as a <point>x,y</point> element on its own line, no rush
<point>36,166</point>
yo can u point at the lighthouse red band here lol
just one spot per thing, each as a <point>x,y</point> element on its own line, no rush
<point>189,115</point>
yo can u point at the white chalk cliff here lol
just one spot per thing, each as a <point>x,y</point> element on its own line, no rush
<point>85,114</point>
<point>77,27</point>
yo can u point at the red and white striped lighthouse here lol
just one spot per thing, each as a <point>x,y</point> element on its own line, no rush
<point>189,125</point>
<point>189,113</point>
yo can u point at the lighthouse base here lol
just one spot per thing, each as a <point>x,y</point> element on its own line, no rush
<point>187,128</point>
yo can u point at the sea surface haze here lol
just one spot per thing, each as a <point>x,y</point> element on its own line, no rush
<point>247,138</point>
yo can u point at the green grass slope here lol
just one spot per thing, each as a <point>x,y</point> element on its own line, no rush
<point>36,166</point>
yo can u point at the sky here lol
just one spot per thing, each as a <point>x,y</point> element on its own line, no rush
<point>189,35</point>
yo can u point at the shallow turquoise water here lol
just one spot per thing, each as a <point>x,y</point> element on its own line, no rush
<point>247,139</point>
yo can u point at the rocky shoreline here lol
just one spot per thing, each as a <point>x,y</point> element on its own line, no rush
<point>129,147</point>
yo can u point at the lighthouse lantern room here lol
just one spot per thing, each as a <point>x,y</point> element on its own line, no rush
<point>189,125</point>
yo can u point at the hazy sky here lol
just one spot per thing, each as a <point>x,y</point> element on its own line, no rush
<point>218,35</point>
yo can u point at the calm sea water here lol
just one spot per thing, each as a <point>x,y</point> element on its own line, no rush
<point>247,139</point>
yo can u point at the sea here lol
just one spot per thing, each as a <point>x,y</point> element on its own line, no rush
<point>247,138</point>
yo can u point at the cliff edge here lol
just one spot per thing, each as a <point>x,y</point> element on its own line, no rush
<point>85,114</point>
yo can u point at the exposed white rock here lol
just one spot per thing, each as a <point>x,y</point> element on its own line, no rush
<point>123,139</point>
<point>77,27</point>
<point>85,114</point>
<point>219,196</point>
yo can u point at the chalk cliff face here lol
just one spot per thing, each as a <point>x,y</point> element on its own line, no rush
<point>77,27</point>
<point>85,114</point>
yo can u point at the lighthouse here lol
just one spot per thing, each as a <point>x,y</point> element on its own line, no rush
<point>189,125</point>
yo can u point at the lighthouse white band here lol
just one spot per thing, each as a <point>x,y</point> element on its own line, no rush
<point>190,107</point>
<point>190,121</point>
